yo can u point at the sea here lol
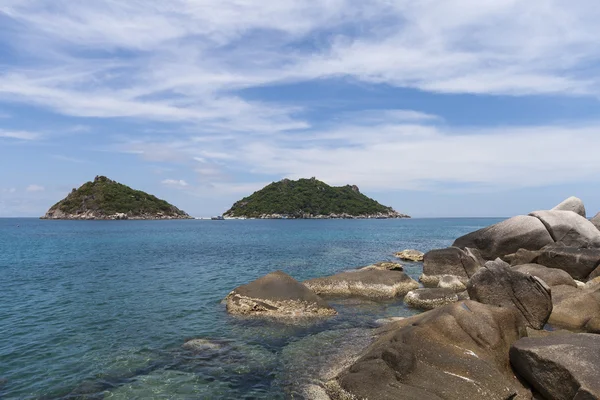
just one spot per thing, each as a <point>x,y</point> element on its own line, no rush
<point>102,309</point>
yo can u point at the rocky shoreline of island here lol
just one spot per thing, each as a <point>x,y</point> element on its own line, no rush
<point>92,215</point>
<point>511,311</point>
<point>390,215</point>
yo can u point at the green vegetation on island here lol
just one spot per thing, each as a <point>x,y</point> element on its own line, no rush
<point>106,199</point>
<point>309,198</point>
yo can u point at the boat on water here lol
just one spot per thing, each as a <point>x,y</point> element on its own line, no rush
<point>217,218</point>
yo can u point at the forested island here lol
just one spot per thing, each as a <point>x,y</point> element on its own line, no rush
<point>309,198</point>
<point>104,198</point>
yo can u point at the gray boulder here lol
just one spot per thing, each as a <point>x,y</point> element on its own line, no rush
<point>569,228</point>
<point>450,261</point>
<point>562,367</point>
<point>577,262</point>
<point>278,295</point>
<point>507,237</point>
<point>366,282</point>
<point>430,298</point>
<point>594,274</point>
<point>523,256</point>
<point>572,204</point>
<point>459,351</point>
<point>410,255</point>
<point>576,309</point>
<point>596,221</point>
<point>499,285</point>
<point>551,276</point>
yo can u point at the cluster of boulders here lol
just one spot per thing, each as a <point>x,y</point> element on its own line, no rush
<point>514,314</point>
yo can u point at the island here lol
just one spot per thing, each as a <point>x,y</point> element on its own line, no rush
<point>105,199</point>
<point>309,198</point>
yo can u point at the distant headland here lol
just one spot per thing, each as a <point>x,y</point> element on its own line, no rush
<point>106,199</point>
<point>309,198</point>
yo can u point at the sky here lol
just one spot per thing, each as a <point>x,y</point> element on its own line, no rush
<point>434,107</point>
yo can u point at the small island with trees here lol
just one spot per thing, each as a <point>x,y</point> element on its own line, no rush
<point>105,199</point>
<point>309,198</point>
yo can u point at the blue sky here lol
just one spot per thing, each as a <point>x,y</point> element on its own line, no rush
<point>437,108</point>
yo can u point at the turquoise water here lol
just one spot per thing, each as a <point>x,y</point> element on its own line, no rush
<point>100,309</point>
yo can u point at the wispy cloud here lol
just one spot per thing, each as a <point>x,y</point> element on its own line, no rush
<point>175,182</point>
<point>35,188</point>
<point>19,135</point>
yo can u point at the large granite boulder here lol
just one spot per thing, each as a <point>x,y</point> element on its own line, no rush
<point>499,285</point>
<point>278,295</point>
<point>450,261</point>
<point>576,309</point>
<point>577,262</point>
<point>430,298</point>
<point>410,255</point>
<point>595,220</point>
<point>507,237</point>
<point>561,367</point>
<point>366,282</point>
<point>459,351</point>
<point>551,276</point>
<point>572,204</point>
<point>569,228</point>
<point>523,256</point>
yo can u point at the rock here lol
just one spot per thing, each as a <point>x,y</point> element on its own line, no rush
<point>595,273</point>
<point>580,284</point>
<point>572,204</point>
<point>455,352</point>
<point>576,309</point>
<point>385,265</point>
<point>198,345</point>
<point>388,320</point>
<point>592,283</point>
<point>279,295</point>
<point>523,256</point>
<point>450,261</point>
<point>569,228</point>
<point>596,221</point>
<point>452,282</point>
<point>370,282</point>
<point>579,263</point>
<point>507,237</point>
<point>551,276</point>
<point>430,298</point>
<point>499,285</point>
<point>560,366</point>
<point>410,255</point>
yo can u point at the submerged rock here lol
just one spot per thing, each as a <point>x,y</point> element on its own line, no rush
<point>551,276</point>
<point>430,298</point>
<point>455,352</point>
<point>450,261</point>
<point>366,282</point>
<point>279,295</point>
<point>201,344</point>
<point>507,237</point>
<point>410,255</point>
<point>499,285</point>
<point>560,366</point>
<point>572,204</point>
<point>576,309</point>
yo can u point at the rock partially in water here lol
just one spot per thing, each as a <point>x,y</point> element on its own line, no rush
<point>455,352</point>
<point>499,285</point>
<point>430,298</point>
<point>560,366</point>
<point>410,255</point>
<point>277,295</point>
<point>462,263</point>
<point>552,276</point>
<point>385,266</point>
<point>388,320</point>
<point>370,282</point>
<point>452,282</point>
<point>576,309</point>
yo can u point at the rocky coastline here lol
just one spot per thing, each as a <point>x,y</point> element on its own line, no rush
<point>94,215</point>
<point>389,215</point>
<point>514,313</point>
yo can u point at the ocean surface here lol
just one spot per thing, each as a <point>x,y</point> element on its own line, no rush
<point>101,309</point>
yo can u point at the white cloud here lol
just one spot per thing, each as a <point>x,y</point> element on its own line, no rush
<point>35,188</point>
<point>19,135</point>
<point>175,182</point>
